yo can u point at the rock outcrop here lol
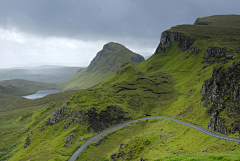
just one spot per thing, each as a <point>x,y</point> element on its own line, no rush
<point>195,51</point>
<point>167,38</point>
<point>96,121</point>
<point>57,115</point>
<point>221,94</point>
<point>137,58</point>
<point>216,54</point>
<point>111,116</point>
<point>27,142</point>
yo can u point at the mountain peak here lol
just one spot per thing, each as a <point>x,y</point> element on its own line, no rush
<point>113,47</point>
<point>109,59</point>
<point>106,63</point>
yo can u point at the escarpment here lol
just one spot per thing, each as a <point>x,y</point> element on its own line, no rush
<point>221,94</point>
<point>167,38</point>
<point>96,121</point>
<point>216,55</point>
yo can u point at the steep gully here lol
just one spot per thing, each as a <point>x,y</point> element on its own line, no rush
<point>202,129</point>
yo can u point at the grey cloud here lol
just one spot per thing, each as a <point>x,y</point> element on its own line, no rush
<point>88,24</point>
<point>95,19</point>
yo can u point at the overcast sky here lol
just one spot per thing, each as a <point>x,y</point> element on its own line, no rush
<point>71,32</point>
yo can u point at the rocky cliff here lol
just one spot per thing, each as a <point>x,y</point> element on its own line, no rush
<point>167,38</point>
<point>221,94</point>
<point>96,121</point>
<point>216,55</point>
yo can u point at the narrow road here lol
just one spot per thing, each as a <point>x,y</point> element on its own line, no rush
<point>202,129</point>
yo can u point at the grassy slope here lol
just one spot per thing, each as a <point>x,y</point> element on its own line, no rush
<point>12,90</point>
<point>84,79</point>
<point>161,140</point>
<point>166,84</point>
<point>19,117</point>
<point>189,72</point>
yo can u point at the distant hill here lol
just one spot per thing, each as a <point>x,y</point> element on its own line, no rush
<point>12,90</point>
<point>47,74</point>
<point>104,65</point>
<point>20,87</point>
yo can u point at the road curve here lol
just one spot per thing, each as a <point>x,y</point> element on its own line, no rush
<point>202,129</point>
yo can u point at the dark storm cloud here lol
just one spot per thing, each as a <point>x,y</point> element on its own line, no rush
<point>99,19</point>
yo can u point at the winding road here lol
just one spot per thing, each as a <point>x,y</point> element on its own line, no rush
<point>202,129</point>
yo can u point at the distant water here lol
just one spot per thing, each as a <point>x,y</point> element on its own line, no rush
<point>40,94</point>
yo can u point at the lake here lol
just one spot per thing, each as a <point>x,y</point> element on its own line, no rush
<point>40,94</point>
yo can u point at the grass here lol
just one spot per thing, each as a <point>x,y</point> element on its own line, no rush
<point>19,118</point>
<point>166,84</point>
<point>104,65</point>
<point>222,30</point>
<point>161,140</point>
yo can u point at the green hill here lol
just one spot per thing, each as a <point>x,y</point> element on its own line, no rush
<point>20,87</point>
<point>193,76</point>
<point>105,64</point>
<point>12,90</point>
<point>47,74</point>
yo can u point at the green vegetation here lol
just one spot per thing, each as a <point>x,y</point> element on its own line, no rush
<point>18,118</point>
<point>20,87</point>
<point>221,31</point>
<point>167,84</point>
<point>12,90</point>
<point>160,140</point>
<point>104,65</point>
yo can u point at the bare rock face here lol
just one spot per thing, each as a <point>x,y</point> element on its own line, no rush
<point>27,143</point>
<point>96,121</point>
<point>195,51</point>
<point>57,115</point>
<point>219,55</point>
<point>137,58</point>
<point>217,124</point>
<point>167,38</point>
<point>105,118</point>
<point>221,94</point>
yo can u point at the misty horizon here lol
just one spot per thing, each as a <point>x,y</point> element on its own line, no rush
<point>70,33</point>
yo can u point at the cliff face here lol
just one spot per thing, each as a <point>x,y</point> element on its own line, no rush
<point>216,55</point>
<point>222,95</point>
<point>96,121</point>
<point>167,38</point>
<point>221,92</point>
